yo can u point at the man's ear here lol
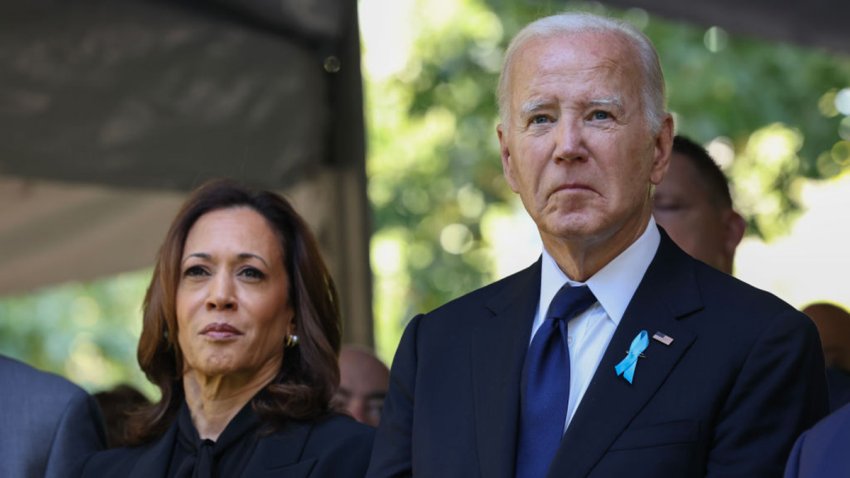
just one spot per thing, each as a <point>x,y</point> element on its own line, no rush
<point>735,226</point>
<point>505,153</point>
<point>663,145</point>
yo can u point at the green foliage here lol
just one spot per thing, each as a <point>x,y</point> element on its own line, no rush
<point>766,99</point>
<point>435,181</point>
<point>86,332</point>
<point>433,144</point>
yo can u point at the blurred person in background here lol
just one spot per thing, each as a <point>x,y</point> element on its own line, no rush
<point>48,425</point>
<point>833,325</point>
<point>693,205</point>
<point>241,334</point>
<point>363,384</point>
<point>116,406</point>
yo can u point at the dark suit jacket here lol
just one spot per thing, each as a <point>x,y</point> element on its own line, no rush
<point>822,452</point>
<point>741,380</point>
<point>48,425</point>
<point>335,446</point>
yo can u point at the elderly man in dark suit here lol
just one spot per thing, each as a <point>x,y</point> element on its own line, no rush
<point>48,425</point>
<point>615,354</point>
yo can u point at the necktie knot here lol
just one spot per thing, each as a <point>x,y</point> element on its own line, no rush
<point>569,302</point>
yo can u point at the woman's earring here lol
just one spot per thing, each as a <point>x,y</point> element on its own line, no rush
<point>291,341</point>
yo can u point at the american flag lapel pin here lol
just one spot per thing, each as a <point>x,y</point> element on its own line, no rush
<point>663,338</point>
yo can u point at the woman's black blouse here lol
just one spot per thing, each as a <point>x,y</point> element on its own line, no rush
<point>193,457</point>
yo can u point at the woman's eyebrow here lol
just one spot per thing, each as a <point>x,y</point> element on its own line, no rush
<point>241,256</point>
<point>200,255</point>
<point>249,255</point>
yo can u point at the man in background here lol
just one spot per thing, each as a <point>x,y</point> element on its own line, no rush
<point>363,384</point>
<point>833,325</point>
<point>48,425</point>
<point>694,206</point>
<point>116,406</point>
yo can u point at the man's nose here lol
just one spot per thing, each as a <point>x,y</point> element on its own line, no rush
<point>569,140</point>
<point>357,409</point>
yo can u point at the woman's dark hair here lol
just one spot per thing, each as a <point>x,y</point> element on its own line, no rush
<point>309,373</point>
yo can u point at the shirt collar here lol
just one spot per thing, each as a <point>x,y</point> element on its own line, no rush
<point>613,285</point>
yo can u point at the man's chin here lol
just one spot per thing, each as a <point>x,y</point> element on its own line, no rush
<point>569,228</point>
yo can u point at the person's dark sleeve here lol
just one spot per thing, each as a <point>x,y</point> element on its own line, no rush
<point>779,393</point>
<point>78,435</point>
<point>392,453</point>
<point>792,468</point>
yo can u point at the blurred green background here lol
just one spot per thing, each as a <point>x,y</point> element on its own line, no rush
<point>775,115</point>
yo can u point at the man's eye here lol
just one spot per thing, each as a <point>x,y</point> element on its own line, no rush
<point>252,273</point>
<point>540,119</point>
<point>600,115</point>
<point>196,271</point>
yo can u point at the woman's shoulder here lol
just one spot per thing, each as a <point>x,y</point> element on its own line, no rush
<point>337,430</point>
<point>324,434</point>
<point>344,444</point>
<point>331,446</point>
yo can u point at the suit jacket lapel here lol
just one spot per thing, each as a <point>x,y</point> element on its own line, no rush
<point>280,453</point>
<point>499,343</point>
<point>667,292</point>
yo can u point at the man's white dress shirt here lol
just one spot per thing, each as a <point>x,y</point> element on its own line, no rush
<point>591,331</point>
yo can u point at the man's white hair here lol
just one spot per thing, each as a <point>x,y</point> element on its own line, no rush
<point>652,84</point>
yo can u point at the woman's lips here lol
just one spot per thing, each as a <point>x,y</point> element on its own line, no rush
<point>220,331</point>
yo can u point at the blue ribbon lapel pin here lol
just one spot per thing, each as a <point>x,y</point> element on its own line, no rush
<point>627,366</point>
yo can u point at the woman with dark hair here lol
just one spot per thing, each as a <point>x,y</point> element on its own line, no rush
<point>241,335</point>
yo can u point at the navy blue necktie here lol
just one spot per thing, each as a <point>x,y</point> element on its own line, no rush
<point>545,384</point>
